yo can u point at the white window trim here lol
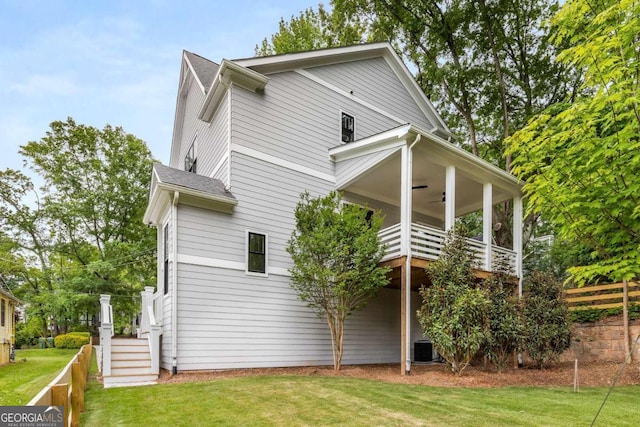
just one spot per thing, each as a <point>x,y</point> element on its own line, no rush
<point>266,253</point>
<point>355,126</point>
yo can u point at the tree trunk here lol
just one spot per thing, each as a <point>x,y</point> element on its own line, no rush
<point>336,326</point>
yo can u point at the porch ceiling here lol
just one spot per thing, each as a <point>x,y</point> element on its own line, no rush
<point>382,182</point>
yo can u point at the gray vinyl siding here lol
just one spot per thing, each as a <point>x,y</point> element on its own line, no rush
<point>167,332</point>
<point>229,320</point>
<point>190,123</point>
<point>223,173</point>
<point>375,82</point>
<point>212,139</point>
<point>222,236</point>
<point>298,120</point>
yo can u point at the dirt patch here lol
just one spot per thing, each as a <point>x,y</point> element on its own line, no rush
<point>559,375</point>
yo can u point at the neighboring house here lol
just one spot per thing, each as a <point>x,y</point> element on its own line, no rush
<point>249,137</point>
<point>8,305</point>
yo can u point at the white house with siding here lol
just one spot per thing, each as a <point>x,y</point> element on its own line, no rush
<point>249,137</point>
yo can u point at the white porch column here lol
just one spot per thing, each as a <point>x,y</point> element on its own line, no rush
<point>450,197</point>
<point>517,239</point>
<point>487,216</point>
<point>406,201</point>
<point>147,301</point>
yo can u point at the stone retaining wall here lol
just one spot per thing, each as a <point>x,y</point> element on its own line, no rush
<point>601,341</point>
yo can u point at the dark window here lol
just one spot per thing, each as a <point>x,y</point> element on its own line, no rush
<point>348,128</point>
<point>257,258</point>
<point>3,312</point>
<point>190,160</point>
<point>165,251</point>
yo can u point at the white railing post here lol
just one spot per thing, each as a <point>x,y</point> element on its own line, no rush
<point>147,301</point>
<point>106,332</point>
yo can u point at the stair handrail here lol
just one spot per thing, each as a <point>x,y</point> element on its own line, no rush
<point>106,332</point>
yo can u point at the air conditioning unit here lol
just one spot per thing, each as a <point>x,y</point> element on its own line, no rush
<point>423,352</point>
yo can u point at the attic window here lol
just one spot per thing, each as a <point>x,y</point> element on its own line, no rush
<point>190,160</point>
<point>348,128</point>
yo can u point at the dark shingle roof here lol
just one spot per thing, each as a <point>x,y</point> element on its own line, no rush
<point>205,70</point>
<point>169,175</point>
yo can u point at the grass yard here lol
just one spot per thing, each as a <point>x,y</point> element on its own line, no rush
<point>21,381</point>
<point>308,400</point>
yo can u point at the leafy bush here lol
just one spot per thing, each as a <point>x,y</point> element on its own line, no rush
<point>27,333</point>
<point>454,310</point>
<point>72,340</point>
<point>546,319</point>
<point>506,328</point>
<point>589,315</point>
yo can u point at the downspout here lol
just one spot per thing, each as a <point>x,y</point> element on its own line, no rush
<point>174,288</point>
<point>407,268</point>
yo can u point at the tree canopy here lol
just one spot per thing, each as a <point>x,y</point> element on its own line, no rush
<point>580,158</point>
<point>336,253</point>
<point>81,233</point>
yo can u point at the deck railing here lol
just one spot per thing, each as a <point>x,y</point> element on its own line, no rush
<point>427,242</point>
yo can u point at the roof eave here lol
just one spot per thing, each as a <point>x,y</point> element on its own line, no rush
<point>228,74</point>
<point>160,195</point>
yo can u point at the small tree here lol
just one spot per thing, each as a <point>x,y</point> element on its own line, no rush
<point>546,319</point>
<point>454,310</point>
<point>506,329</point>
<point>336,254</point>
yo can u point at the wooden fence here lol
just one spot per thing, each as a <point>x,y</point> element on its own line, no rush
<point>601,296</point>
<point>67,389</point>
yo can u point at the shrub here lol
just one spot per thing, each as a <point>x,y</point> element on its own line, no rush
<point>72,340</point>
<point>454,310</point>
<point>546,319</point>
<point>504,335</point>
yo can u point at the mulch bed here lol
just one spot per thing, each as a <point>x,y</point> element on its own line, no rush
<point>558,375</point>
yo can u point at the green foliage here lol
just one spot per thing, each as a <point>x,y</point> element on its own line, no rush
<point>27,333</point>
<point>72,340</point>
<point>336,253</point>
<point>312,30</point>
<point>506,329</point>
<point>590,315</point>
<point>454,309</point>
<point>580,158</point>
<point>546,319</point>
<point>83,235</point>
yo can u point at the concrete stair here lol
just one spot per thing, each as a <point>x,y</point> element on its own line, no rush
<point>130,364</point>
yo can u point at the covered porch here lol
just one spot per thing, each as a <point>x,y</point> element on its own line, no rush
<point>423,184</point>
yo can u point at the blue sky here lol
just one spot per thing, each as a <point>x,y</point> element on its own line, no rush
<point>114,62</point>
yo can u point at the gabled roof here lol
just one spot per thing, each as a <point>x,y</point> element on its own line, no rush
<point>203,69</point>
<point>190,188</point>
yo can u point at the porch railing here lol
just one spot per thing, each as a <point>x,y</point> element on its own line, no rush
<point>427,242</point>
<point>150,326</point>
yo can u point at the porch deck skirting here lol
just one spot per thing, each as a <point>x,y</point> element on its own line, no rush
<point>427,242</point>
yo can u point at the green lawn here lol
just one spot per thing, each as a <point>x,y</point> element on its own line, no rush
<point>311,401</point>
<point>21,381</point>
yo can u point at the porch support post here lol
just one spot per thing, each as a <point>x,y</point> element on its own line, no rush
<point>517,239</point>
<point>487,216</point>
<point>406,202</point>
<point>450,197</point>
<point>403,324</point>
